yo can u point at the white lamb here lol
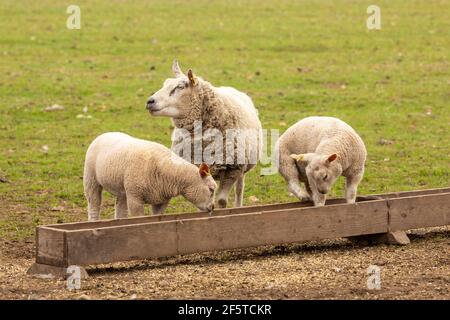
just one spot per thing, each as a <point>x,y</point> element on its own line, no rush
<point>189,100</point>
<point>139,172</point>
<point>316,151</point>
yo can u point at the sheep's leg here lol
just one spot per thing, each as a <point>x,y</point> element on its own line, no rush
<point>291,175</point>
<point>239,194</point>
<point>224,188</point>
<point>351,186</point>
<point>297,190</point>
<point>135,206</point>
<point>308,190</point>
<point>121,207</point>
<point>317,197</point>
<point>159,208</point>
<point>289,171</point>
<point>93,193</point>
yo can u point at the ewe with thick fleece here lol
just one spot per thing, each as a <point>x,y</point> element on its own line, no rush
<point>316,151</point>
<point>137,172</point>
<point>189,101</point>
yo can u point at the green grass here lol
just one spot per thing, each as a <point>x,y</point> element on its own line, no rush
<point>291,57</point>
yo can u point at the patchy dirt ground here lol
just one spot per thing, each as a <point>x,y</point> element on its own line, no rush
<point>315,270</point>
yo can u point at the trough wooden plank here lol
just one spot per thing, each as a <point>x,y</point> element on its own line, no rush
<point>131,242</point>
<point>229,211</point>
<point>151,240</point>
<point>50,246</point>
<point>419,212</point>
<point>188,215</point>
<point>278,227</point>
<point>411,193</point>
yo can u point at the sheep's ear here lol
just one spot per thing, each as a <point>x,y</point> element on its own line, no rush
<point>204,170</point>
<point>192,78</point>
<point>303,157</point>
<point>332,157</point>
<point>176,69</point>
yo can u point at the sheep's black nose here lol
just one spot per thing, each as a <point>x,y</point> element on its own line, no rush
<point>150,102</point>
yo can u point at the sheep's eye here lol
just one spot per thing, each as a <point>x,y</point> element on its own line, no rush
<point>179,87</point>
<point>325,178</point>
<point>211,190</point>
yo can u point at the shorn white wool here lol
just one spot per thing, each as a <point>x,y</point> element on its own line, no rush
<point>141,172</point>
<point>316,151</point>
<point>190,100</point>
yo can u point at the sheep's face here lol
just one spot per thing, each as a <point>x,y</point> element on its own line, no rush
<point>205,197</point>
<point>174,98</point>
<point>202,195</point>
<point>321,171</point>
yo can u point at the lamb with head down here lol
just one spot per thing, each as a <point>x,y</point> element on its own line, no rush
<point>141,172</point>
<point>316,151</point>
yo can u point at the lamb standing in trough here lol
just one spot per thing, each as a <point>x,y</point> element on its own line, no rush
<point>189,100</point>
<point>138,172</point>
<point>316,151</point>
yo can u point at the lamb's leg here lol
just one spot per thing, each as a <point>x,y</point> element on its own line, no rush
<point>317,197</point>
<point>93,193</point>
<point>135,205</point>
<point>308,190</point>
<point>239,194</point>
<point>226,182</point>
<point>159,208</point>
<point>289,171</point>
<point>121,208</point>
<point>351,186</point>
<point>297,190</point>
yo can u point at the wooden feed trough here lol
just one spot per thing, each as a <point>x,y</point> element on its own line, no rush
<point>382,217</point>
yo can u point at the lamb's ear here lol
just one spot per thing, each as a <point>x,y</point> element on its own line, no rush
<point>176,69</point>
<point>303,157</point>
<point>332,157</point>
<point>204,170</point>
<point>192,78</point>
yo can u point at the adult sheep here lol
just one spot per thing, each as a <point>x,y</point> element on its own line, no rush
<point>215,125</point>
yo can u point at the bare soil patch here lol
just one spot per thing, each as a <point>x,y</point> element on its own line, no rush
<point>334,269</point>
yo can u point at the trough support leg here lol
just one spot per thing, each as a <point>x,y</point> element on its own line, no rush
<point>398,237</point>
<point>395,237</point>
<point>47,271</point>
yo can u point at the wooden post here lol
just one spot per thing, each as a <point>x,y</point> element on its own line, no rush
<point>398,237</point>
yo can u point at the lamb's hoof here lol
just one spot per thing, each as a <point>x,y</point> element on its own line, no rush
<point>305,199</point>
<point>222,203</point>
<point>305,196</point>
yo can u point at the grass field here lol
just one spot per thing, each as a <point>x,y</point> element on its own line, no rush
<point>294,58</point>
